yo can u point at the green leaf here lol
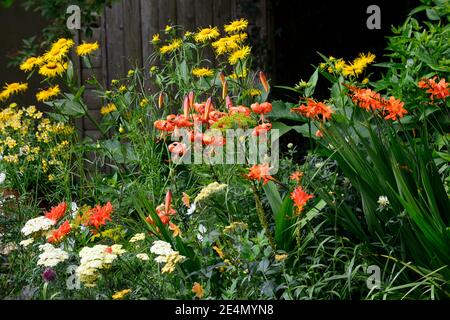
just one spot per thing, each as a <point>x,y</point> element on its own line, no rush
<point>309,91</point>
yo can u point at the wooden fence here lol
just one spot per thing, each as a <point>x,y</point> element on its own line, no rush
<point>126,28</point>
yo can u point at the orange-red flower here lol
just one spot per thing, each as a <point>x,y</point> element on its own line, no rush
<point>260,172</point>
<point>164,125</point>
<point>438,90</point>
<point>261,108</point>
<point>239,109</point>
<point>262,129</point>
<point>176,232</point>
<point>296,176</point>
<point>300,198</point>
<point>263,79</point>
<point>394,108</point>
<point>366,98</point>
<point>186,200</point>
<point>314,109</point>
<point>57,212</point>
<point>58,234</point>
<point>177,148</point>
<point>319,134</point>
<point>99,215</point>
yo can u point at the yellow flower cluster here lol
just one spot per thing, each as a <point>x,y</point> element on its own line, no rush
<point>350,69</point>
<point>110,107</point>
<point>171,47</point>
<point>11,89</point>
<point>232,43</point>
<point>202,72</point>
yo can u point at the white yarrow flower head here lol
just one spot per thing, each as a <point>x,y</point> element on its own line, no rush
<point>37,224</point>
<point>137,237</point>
<point>2,177</point>
<point>143,256</point>
<point>51,256</point>
<point>161,248</point>
<point>383,201</point>
<point>27,242</point>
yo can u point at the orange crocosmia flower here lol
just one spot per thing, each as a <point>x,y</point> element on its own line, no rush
<point>394,108</point>
<point>57,212</point>
<point>366,98</point>
<point>261,108</point>
<point>438,90</point>
<point>176,232</point>
<point>58,234</point>
<point>262,129</point>
<point>98,216</point>
<point>296,176</point>
<point>314,109</point>
<point>186,200</point>
<point>198,290</point>
<point>300,198</point>
<point>260,172</point>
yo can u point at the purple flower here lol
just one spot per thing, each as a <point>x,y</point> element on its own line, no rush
<point>49,274</point>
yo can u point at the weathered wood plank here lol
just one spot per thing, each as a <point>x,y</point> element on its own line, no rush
<point>186,14</point>
<point>115,41</point>
<point>222,12</point>
<point>204,18</point>
<point>132,32</point>
<point>167,12</point>
<point>203,13</point>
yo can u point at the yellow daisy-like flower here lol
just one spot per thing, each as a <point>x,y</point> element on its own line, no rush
<point>110,107</point>
<point>58,50</point>
<point>46,95</point>
<point>121,294</point>
<point>236,26</point>
<point>12,88</point>
<point>30,63</point>
<point>168,28</point>
<point>202,72</point>
<point>156,39</point>
<point>87,48</point>
<point>239,54</point>
<point>228,44</point>
<point>64,43</point>
<point>52,69</point>
<point>206,34</point>
<point>172,46</point>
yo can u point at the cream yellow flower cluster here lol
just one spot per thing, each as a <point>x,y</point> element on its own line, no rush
<point>209,190</point>
<point>166,255</point>
<point>137,237</point>
<point>51,256</point>
<point>36,225</point>
<point>94,259</point>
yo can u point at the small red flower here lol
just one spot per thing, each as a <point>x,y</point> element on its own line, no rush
<point>300,198</point>
<point>438,90</point>
<point>57,212</point>
<point>260,172</point>
<point>394,108</point>
<point>58,234</point>
<point>98,216</point>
